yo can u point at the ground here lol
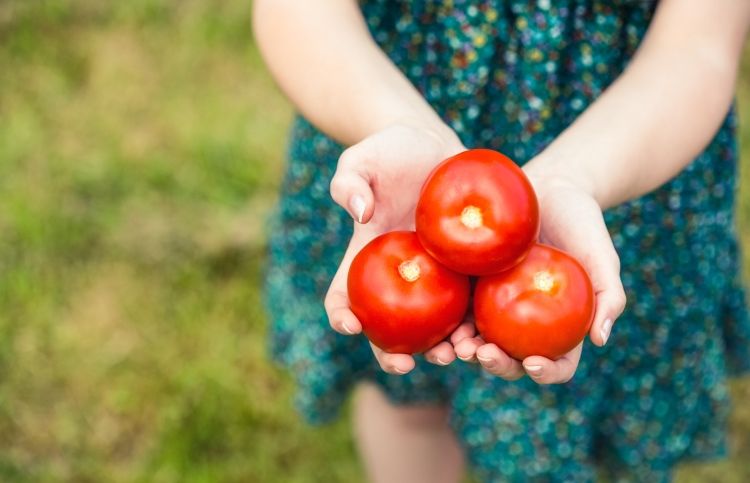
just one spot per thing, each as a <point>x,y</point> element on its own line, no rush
<point>141,146</point>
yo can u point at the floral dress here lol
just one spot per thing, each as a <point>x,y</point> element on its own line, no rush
<point>510,75</point>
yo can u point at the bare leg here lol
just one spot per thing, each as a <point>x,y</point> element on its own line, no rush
<point>405,444</point>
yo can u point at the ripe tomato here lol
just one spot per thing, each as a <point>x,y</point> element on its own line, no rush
<point>477,213</point>
<point>405,300</point>
<point>543,306</point>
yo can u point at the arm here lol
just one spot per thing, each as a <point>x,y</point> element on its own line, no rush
<point>324,58</point>
<point>322,55</point>
<point>663,110</point>
<point>643,130</point>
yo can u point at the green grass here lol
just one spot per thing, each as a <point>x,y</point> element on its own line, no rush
<point>141,147</point>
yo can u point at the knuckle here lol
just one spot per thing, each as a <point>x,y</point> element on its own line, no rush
<point>347,156</point>
<point>350,160</point>
<point>329,308</point>
<point>620,300</point>
<point>332,321</point>
<point>338,185</point>
<point>615,260</point>
<point>336,324</point>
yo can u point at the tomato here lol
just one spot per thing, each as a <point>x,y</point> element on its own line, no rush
<point>477,213</point>
<point>543,306</point>
<point>405,300</point>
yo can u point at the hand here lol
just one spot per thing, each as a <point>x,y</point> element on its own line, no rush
<point>571,220</point>
<point>378,182</point>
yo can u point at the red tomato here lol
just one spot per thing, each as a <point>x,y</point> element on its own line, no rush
<point>544,306</point>
<point>477,213</point>
<point>405,300</point>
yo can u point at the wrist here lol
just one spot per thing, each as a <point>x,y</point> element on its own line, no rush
<point>436,129</point>
<point>550,170</point>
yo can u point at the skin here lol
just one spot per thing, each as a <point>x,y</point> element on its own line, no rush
<point>644,129</point>
<point>410,444</point>
<point>686,64</point>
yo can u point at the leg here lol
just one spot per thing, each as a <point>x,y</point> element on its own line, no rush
<point>411,444</point>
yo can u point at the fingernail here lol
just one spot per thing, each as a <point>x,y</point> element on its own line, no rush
<point>486,361</point>
<point>465,359</point>
<point>534,370</point>
<point>357,205</point>
<point>440,361</point>
<point>399,371</point>
<point>347,329</point>
<point>605,330</point>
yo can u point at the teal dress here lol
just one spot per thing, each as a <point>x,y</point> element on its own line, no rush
<point>510,75</point>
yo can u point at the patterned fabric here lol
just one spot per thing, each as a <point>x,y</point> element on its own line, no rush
<point>511,75</point>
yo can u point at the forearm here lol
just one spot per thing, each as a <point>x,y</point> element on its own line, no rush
<point>323,57</point>
<point>662,112</point>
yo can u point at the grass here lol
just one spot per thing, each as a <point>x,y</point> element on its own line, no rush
<point>141,147</point>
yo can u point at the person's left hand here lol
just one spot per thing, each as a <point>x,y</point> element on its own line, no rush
<point>378,181</point>
<point>571,220</point>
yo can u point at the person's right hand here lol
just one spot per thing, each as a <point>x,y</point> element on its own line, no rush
<point>378,182</point>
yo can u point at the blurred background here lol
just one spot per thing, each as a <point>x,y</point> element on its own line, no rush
<point>141,146</point>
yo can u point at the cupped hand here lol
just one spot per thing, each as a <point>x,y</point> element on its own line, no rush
<point>571,220</point>
<point>378,182</point>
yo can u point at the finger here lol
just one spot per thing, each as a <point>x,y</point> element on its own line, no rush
<point>603,266</point>
<point>398,364</point>
<point>340,316</point>
<point>350,185</point>
<point>464,331</point>
<point>546,371</point>
<point>336,303</point>
<point>497,362</point>
<point>610,303</point>
<point>466,350</point>
<point>442,354</point>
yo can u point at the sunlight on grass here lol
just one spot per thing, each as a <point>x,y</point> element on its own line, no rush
<point>141,147</point>
<point>141,151</point>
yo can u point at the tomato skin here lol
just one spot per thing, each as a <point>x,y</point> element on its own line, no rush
<point>398,315</point>
<point>544,306</point>
<point>477,213</point>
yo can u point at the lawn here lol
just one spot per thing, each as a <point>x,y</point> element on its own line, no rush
<point>141,146</point>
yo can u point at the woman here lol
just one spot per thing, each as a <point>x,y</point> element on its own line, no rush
<point>406,84</point>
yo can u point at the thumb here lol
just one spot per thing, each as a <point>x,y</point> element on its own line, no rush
<point>350,186</point>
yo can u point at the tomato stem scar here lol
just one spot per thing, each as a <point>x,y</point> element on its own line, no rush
<point>471,217</point>
<point>409,270</point>
<point>543,281</point>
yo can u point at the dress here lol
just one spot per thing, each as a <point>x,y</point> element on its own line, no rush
<point>510,75</point>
